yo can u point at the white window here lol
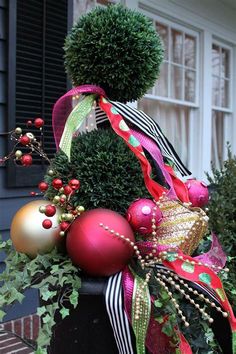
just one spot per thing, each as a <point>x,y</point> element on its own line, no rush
<point>221,101</point>
<point>173,101</point>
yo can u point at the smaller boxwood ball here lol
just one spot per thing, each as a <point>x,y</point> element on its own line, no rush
<point>115,48</point>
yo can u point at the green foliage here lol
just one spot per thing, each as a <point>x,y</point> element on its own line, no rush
<point>109,173</point>
<point>52,274</point>
<point>222,214</point>
<point>115,48</point>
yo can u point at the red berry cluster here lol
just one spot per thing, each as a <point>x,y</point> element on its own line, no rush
<point>27,140</point>
<point>62,200</point>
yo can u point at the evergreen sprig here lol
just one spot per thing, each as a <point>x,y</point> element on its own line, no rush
<point>115,48</point>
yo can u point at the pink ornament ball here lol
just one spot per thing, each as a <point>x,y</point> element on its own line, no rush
<point>139,215</point>
<point>94,242</point>
<point>198,192</point>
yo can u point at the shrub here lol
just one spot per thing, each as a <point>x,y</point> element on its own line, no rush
<point>109,173</point>
<point>222,214</point>
<point>115,48</point>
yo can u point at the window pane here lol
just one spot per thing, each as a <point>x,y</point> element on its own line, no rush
<point>176,82</point>
<point>161,88</point>
<point>190,51</point>
<point>217,148</point>
<point>189,83</point>
<point>225,63</point>
<point>215,91</point>
<point>215,60</point>
<point>173,120</point>
<point>177,46</point>
<point>163,32</point>
<point>224,87</point>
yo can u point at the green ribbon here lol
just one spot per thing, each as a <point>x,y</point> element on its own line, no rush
<point>74,121</point>
<point>234,342</point>
<point>141,302</point>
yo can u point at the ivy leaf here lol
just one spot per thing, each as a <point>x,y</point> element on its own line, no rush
<point>158,303</point>
<point>15,296</point>
<point>2,314</point>
<point>41,351</point>
<point>41,310</point>
<point>54,269</point>
<point>64,312</point>
<point>47,318</point>
<point>43,340</point>
<point>48,295</point>
<point>159,319</point>
<point>167,328</point>
<point>74,296</point>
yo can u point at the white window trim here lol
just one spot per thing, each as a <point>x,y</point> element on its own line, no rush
<point>185,29</point>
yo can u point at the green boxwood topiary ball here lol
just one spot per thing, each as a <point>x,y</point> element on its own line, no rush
<point>115,48</point>
<point>109,173</point>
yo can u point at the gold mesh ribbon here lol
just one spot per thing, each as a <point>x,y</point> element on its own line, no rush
<point>182,227</point>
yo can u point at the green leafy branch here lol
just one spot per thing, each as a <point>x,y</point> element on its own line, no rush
<point>56,279</point>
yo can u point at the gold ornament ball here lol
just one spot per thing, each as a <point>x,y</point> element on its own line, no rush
<point>27,233</point>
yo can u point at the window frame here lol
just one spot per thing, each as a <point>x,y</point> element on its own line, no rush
<point>223,45</point>
<point>186,30</point>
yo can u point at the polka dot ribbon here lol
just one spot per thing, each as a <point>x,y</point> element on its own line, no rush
<point>186,267</point>
<point>121,128</point>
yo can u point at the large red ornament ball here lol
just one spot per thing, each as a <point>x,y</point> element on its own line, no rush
<point>139,215</point>
<point>97,251</point>
<point>198,192</point>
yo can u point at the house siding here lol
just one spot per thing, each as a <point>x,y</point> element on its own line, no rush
<point>11,199</point>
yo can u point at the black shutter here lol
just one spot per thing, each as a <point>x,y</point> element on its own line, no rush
<point>37,67</point>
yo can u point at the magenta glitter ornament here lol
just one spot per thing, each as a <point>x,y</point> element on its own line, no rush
<point>139,215</point>
<point>198,192</point>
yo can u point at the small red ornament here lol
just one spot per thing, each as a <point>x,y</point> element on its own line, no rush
<point>62,200</point>
<point>24,140</point>
<point>57,183</point>
<point>47,224</point>
<point>33,194</point>
<point>43,186</point>
<point>139,215</point>
<point>26,160</point>
<point>74,184</point>
<point>38,122</point>
<point>97,251</point>
<point>50,210</point>
<point>29,122</point>
<point>198,192</point>
<point>64,225</point>
<point>67,190</point>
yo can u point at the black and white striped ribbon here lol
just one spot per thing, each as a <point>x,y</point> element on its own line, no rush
<point>146,124</point>
<point>117,315</point>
